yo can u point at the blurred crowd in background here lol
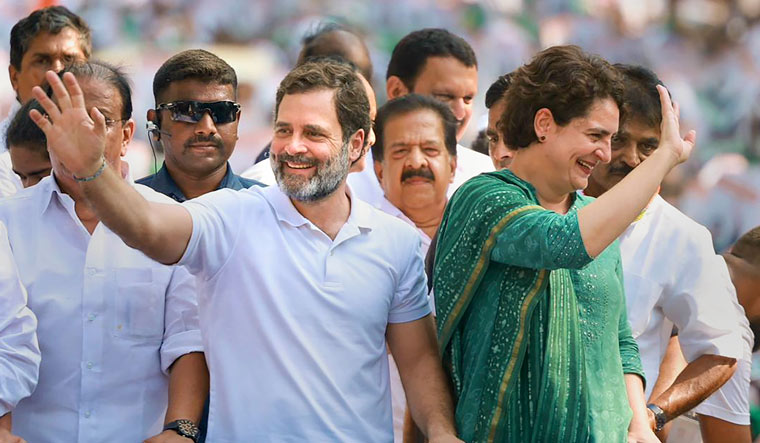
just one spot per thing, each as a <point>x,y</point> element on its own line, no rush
<point>706,51</point>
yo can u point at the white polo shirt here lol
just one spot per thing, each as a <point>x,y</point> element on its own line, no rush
<point>367,187</point>
<point>293,322</point>
<point>111,322</point>
<point>19,351</point>
<point>673,277</point>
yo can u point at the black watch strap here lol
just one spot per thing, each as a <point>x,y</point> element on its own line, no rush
<point>185,428</point>
<point>659,416</point>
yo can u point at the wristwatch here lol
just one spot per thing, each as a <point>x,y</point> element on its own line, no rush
<point>659,416</point>
<point>185,428</point>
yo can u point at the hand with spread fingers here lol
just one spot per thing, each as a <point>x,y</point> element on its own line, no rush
<point>74,136</point>
<point>669,129</point>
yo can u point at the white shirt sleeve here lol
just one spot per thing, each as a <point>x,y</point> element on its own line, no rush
<point>19,350</point>
<point>410,302</point>
<point>702,303</point>
<point>182,333</point>
<point>9,181</point>
<point>216,225</point>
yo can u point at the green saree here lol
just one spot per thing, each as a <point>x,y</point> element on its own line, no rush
<point>532,330</point>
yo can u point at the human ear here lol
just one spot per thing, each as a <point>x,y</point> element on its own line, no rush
<point>394,87</point>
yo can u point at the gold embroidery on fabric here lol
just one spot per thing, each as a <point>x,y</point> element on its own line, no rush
<point>515,350</point>
<point>469,288</point>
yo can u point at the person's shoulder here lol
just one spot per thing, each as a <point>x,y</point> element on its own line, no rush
<point>150,194</point>
<point>488,185</point>
<point>582,199</point>
<point>147,180</point>
<point>249,182</point>
<point>680,227</point>
<point>27,197</point>
<point>473,161</point>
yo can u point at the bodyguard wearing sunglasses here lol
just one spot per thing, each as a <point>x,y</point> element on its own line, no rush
<point>196,122</point>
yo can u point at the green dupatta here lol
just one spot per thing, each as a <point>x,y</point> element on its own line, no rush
<point>534,387</point>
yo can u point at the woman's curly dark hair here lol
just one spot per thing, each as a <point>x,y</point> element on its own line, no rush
<point>564,79</point>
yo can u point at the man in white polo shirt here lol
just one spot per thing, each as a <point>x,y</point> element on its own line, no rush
<point>673,277</point>
<point>301,284</point>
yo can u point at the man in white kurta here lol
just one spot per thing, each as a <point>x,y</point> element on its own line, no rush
<point>19,350</point>
<point>672,278</point>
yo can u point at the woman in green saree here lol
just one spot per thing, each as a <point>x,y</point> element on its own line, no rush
<point>528,283</point>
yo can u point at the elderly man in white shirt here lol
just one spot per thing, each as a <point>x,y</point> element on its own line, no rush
<point>439,64</point>
<point>116,329</point>
<point>415,161</point>
<point>19,351</point>
<point>673,277</point>
<point>301,283</point>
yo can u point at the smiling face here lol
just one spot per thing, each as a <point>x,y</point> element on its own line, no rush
<point>571,152</point>
<point>416,169</point>
<point>501,156</point>
<point>46,52</point>
<point>197,149</point>
<point>633,143</point>
<point>308,156</point>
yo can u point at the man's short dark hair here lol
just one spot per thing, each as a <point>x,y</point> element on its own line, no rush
<point>411,53</point>
<point>641,101</point>
<point>747,247</point>
<point>350,99</point>
<point>320,42</point>
<point>193,64</point>
<point>409,103</point>
<point>564,79</point>
<point>497,89</point>
<point>51,20</point>
<point>109,74</point>
<point>23,133</point>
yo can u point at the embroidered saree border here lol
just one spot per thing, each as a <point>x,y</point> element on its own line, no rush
<point>469,289</point>
<point>515,351</point>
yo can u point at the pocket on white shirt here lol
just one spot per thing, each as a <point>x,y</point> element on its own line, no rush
<point>139,305</point>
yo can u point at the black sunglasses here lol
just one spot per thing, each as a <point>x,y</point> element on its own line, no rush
<point>191,111</point>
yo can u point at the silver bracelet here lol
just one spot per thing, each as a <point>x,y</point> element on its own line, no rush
<point>93,176</point>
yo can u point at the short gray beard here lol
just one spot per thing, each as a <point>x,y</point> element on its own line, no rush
<point>329,176</point>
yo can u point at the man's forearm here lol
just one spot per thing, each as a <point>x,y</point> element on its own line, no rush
<point>160,231</point>
<point>415,349</point>
<point>429,397</point>
<point>188,388</point>
<point>695,383</point>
